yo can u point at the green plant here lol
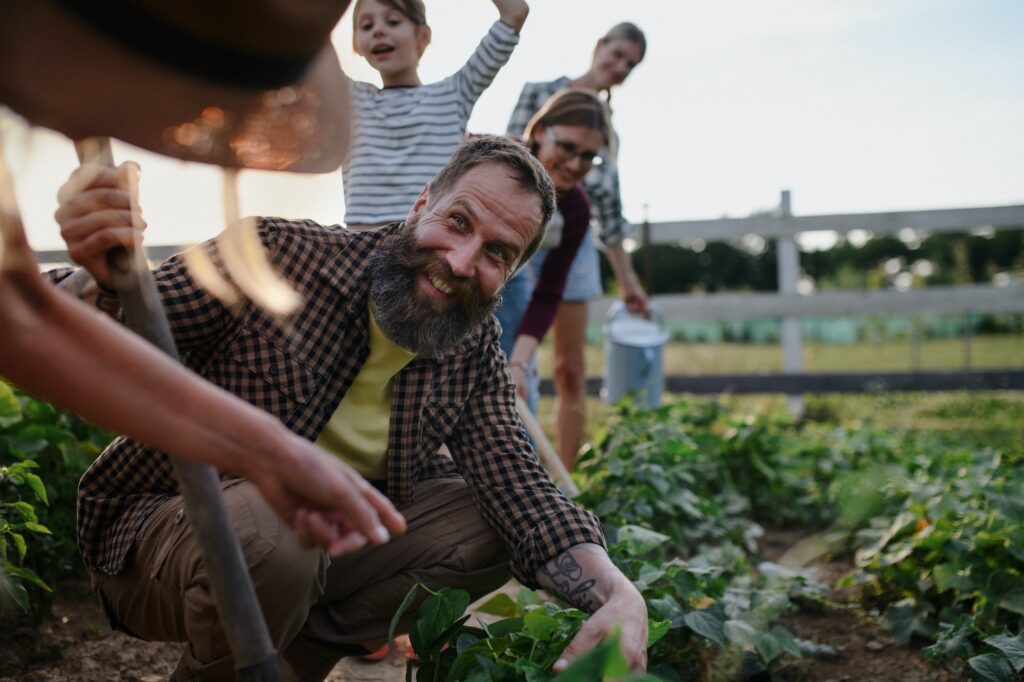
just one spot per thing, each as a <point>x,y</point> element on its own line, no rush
<point>18,519</point>
<point>522,646</point>
<point>44,452</point>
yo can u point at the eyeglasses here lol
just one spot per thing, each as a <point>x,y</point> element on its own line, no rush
<point>568,150</point>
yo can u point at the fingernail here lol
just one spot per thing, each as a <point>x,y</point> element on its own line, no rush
<point>561,664</point>
<point>380,533</point>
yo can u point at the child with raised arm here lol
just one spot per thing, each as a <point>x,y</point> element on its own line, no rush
<point>406,131</point>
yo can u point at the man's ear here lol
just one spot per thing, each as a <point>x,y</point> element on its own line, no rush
<point>421,203</point>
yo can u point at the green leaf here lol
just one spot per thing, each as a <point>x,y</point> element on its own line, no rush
<point>904,619</point>
<point>36,528</point>
<point>1012,648</point>
<point>17,592</point>
<point>642,539</point>
<point>472,658</point>
<point>992,668</point>
<point>10,409</point>
<point>437,614</point>
<point>706,625</point>
<point>539,624</point>
<point>740,632</point>
<point>26,575</point>
<point>789,643</point>
<point>1013,601</point>
<point>768,647</point>
<point>500,605</point>
<point>26,510</point>
<point>604,660</point>
<point>504,627</point>
<point>947,577</point>
<point>37,486</point>
<point>19,543</point>
<point>410,597</point>
<point>656,629</point>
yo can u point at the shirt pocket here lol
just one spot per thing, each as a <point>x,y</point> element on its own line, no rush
<point>270,378</point>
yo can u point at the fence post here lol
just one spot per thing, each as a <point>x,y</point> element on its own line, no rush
<point>788,261</point>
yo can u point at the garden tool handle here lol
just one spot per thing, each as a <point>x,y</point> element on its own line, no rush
<point>548,457</point>
<point>230,583</point>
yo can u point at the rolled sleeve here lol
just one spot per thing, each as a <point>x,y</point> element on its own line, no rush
<point>602,184</point>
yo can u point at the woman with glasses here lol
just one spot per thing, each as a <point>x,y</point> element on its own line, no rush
<point>615,56</point>
<point>566,136</point>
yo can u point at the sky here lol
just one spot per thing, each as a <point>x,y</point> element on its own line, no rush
<point>852,105</point>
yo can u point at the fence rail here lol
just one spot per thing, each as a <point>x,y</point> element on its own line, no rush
<point>828,382</point>
<point>791,306</point>
<point>760,305</point>
<point>774,226</point>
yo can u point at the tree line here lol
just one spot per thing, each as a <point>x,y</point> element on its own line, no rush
<point>880,262</point>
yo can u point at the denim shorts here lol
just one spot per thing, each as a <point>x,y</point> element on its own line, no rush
<point>515,299</point>
<point>584,280</point>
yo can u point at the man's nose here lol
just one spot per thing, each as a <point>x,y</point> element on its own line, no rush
<point>462,260</point>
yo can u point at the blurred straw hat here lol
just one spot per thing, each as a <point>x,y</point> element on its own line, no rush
<point>238,83</point>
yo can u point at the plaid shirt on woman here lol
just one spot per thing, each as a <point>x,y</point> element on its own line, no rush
<point>300,367</point>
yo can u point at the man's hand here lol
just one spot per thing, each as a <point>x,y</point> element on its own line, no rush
<point>97,210</point>
<point>585,577</point>
<point>325,501</point>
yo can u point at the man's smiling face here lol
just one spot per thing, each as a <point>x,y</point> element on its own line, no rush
<point>438,279</point>
<point>479,228</point>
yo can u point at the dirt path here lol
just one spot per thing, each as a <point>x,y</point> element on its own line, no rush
<point>77,645</point>
<point>866,651</point>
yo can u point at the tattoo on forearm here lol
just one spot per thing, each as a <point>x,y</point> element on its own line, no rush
<point>565,574</point>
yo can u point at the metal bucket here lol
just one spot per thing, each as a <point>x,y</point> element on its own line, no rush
<point>633,355</point>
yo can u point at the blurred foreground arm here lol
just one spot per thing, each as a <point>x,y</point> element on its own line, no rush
<point>71,355</point>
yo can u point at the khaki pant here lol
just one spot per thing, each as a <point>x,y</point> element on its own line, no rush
<point>317,610</point>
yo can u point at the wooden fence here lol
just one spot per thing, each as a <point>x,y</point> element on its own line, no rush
<point>790,306</point>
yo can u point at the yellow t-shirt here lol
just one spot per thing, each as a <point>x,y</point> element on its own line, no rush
<point>358,430</point>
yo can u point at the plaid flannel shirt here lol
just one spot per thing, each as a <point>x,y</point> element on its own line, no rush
<point>299,368</point>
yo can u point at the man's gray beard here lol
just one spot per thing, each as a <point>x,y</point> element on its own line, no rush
<point>412,323</point>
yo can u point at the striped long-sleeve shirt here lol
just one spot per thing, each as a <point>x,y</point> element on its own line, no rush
<point>601,183</point>
<point>402,137</point>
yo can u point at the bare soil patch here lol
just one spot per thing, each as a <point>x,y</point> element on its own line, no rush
<point>866,651</point>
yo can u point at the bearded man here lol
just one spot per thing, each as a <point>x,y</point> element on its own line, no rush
<point>393,353</point>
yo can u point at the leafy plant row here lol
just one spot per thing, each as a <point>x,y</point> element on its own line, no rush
<point>43,453</point>
<point>936,527</point>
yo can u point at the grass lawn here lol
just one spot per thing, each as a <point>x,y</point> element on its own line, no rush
<point>986,352</point>
<point>993,418</point>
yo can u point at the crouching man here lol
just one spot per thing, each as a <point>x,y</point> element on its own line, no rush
<point>393,353</point>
